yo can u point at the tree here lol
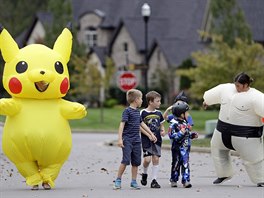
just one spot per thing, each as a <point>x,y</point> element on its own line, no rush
<point>161,81</point>
<point>231,51</point>
<point>109,71</point>
<point>220,63</point>
<point>228,20</point>
<point>16,15</point>
<point>61,11</point>
<point>185,82</point>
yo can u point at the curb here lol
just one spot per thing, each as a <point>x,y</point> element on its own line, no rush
<point>167,147</point>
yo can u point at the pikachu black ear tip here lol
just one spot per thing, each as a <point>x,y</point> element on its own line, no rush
<point>1,27</point>
<point>69,26</point>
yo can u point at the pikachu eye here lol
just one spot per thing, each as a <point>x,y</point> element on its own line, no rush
<point>21,67</point>
<point>59,67</point>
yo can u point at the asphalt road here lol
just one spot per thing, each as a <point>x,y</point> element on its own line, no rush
<point>92,167</point>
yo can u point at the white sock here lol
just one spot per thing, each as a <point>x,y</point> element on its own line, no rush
<point>145,170</point>
<point>155,170</point>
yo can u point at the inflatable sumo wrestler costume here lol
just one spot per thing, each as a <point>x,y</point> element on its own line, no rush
<point>239,128</point>
<point>36,135</point>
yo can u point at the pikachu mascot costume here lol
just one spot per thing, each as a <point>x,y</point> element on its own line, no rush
<point>239,128</point>
<point>36,134</point>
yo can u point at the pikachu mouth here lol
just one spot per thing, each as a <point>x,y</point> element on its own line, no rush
<point>41,86</point>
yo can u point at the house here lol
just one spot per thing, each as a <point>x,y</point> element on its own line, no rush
<point>116,28</point>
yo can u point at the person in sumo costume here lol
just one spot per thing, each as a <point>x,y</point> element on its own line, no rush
<point>239,128</point>
<point>36,135</point>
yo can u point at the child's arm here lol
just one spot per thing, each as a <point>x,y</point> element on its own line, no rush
<point>162,130</point>
<point>120,134</point>
<point>165,114</point>
<point>143,131</point>
<point>189,119</point>
<point>145,127</point>
<point>176,132</point>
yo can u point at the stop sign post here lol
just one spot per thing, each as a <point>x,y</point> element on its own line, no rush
<point>127,80</point>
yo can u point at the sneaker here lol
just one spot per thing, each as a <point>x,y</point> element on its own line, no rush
<point>173,184</point>
<point>220,180</point>
<point>260,184</point>
<point>35,187</point>
<point>154,184</point>
<point>134,185</point>
<point>117,184</point>
<point>46,186</point>
<point>144,179</point>
<point>187,185</point>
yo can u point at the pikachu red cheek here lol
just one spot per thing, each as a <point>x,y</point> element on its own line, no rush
<point>15,85</point>
<point>64,86</point>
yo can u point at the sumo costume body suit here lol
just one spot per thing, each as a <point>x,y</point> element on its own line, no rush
<point>180,149</point>
<point>239,128</point>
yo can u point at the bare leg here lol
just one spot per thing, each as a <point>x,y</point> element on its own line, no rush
<point>121,170</point>
<point>134,171</point>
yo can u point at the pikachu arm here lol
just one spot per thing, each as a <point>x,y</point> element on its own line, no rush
<point>9,107</point>
<point>72,110</point>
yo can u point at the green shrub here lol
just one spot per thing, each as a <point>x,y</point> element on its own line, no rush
<point>110,103</point>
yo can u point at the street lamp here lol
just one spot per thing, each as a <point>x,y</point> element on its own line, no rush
<point>145,12</point>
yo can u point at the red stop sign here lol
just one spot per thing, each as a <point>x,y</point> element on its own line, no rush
<point>127,80</point>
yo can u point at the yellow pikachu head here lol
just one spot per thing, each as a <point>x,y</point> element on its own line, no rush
<point>36,71</point>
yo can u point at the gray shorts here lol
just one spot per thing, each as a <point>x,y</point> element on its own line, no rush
<point>154,149</point>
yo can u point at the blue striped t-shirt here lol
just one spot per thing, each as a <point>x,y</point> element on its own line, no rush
<point>132,120</point>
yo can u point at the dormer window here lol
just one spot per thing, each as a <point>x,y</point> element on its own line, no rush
<point>91,37</point>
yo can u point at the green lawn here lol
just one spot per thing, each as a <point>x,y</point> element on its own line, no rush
<point>112,116</point>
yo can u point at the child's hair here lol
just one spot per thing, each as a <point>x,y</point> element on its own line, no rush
<point>181,97</point>
<point>132,95</point>
<point>243,78</point>
<point>150,96</point>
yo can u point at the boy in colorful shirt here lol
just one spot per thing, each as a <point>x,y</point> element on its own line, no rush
<point>180,133</point>
<point>152,150</point>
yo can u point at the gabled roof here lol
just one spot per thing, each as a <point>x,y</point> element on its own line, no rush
<point>101,53</point>
<point>135,27</point>
<point>20,40</point>
<point>157,28</point>
<point>173,24</point>
<point>43,17</point>
<point>177,50</point>
<point>254,15</point>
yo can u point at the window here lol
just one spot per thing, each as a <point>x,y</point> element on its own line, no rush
<point>91,37</point>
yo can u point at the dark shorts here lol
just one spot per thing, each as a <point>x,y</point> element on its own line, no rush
<point>131,153</point>
<point>154,149</point>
